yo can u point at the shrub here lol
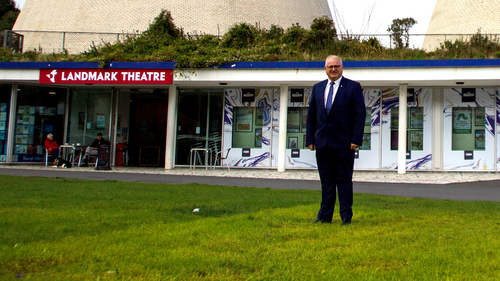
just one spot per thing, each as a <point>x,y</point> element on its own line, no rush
<point>241,35</point>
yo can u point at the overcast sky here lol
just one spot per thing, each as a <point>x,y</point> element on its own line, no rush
<point>355,14</point>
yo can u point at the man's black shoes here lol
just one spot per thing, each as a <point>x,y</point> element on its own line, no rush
<point>346,222</point>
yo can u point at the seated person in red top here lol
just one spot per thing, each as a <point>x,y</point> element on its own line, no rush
<point>52,146</point>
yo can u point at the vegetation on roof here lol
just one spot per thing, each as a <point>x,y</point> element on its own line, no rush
<point>164,41</point>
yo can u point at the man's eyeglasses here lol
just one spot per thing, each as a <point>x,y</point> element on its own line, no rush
<point>333,66</point>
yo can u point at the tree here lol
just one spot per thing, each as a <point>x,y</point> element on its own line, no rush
<point>8,14</point>
<point>322,31</point>
<point>163,27</point>
<point>399,30</point>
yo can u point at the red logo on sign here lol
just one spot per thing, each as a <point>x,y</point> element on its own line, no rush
<point>105,76</point>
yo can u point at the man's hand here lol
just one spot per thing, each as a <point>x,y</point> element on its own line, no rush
<point>312,147</point>
<point>354,146</point>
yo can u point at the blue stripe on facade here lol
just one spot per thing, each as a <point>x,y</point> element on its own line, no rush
<point>261,65</point>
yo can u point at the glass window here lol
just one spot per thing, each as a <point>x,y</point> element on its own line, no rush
<point>296,127</point>
<point>468,128</point>
<point>247,127</point>
<point>414,128</point>
<point>89,115</point>
<point>5,93</point>
<point>40,111</point>
<point>199,122</point>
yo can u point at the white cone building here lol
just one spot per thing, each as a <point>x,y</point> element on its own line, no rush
<point>132,16</point>
<point>462,17</point>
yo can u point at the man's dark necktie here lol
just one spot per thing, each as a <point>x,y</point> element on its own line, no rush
<point>330,98</point>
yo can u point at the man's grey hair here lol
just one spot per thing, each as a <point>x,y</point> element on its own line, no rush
<point>50,135</point>
<point>333,56</point>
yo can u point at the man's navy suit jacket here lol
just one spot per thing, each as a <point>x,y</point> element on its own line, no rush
<point>345,122</point>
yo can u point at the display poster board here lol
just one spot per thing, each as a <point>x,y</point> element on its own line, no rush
<point>244,119</point>
<point>293,142</point>
<point>417,140</point>
<point>417,117</point>
<point>101,121</point>
<point>480,118</point>
<point>479,139</point>
<point>259,115</point>
<point>368,117</point>
<point>258,137</point>
<point>293,122</point>
<point>366,144</point>
<point>462,120</point>
<point>149,156</point>
<point>304,119</point>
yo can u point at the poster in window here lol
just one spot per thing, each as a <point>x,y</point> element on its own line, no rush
<point>81,120</point>
<point>26,129</point>
<point>2,126</point>
<point>395,117</point>
<point>293,142</point>
<point>304,119</point>
<point>417,117</point>
<point>258,137</point>
<point>293,120</point>
<point>368,117</point>
<point>101,121</point>
<point>462,118</point>
<point>3,107</point>
<point>259,115</point>
<point>417,140</point>
<point>480,116</point>
<point>21,149</point>
<point>479,140</point>
<point>26,119</point>
<point>366,144</point>
<point>20,109</point>
<point>3,116</point>
<point>244,118</point>
<point>2,135</point>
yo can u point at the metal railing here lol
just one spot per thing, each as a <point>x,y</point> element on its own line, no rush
<point>71,42</point>
<point>12,40</point>
<point>78,42</point>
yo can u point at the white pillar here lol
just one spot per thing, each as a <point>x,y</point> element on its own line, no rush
<point>403,92</point>
<point>282,128</point>
<point>171,127</point>
<point>437,128</point>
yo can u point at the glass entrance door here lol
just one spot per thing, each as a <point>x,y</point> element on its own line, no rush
<point>90,113</point>
<point>199,123</point>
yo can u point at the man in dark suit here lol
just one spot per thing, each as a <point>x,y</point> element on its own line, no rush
<point>335,124</point>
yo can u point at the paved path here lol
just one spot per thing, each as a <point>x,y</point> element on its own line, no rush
<point>470,186</point>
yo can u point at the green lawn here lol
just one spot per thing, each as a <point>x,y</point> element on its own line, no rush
<point>65,229</point>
